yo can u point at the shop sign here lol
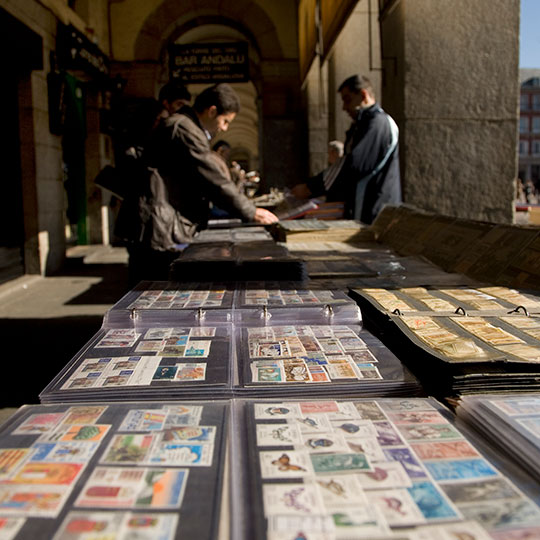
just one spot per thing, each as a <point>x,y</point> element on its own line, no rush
<point>209,62</point>
<point>74,51</point>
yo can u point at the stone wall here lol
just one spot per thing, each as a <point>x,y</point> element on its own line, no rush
<point>451,82</point>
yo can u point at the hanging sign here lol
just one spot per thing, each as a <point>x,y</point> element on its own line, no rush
<point>74,51</point>
<point>209,62</point>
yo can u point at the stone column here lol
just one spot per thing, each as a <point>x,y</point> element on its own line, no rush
<point>451,82</point>
<point>283,141</point>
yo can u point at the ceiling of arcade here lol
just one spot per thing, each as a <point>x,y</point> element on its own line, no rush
<point>142,30</point>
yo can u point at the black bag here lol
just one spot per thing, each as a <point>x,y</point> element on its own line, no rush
<point>119,180</point>
<point>112,179</point>
<point>148,219</point>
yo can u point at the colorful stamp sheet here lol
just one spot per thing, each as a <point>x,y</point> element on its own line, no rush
<point>198,348</point>
<point>397,506</point>
<point>114,487</point>
<point>460,469</point>
<point>194,433</point>
<point>324,443</point>
<point>292,499</point>
<point>278,435</point>
<point>64,452</point>
<point>10,459</point>
<point>84,414</point>
<point>285,464</point>
<point>48,473</point>
<point>191,372</point>
<point>183,454</point>
<point>481,490</point>
<point>265,411</point>
<point>39,424</point>
<point>341,490</point>
<point>9,527</point>
<point>337,463</point>
<point>429,432</point>
<point>111,525</point>
<point>77,432</point>
<point>433,505</point>
<point>36,500</point>
<point>128,449</point>
<point>385,475</point>
<point>444,450</point>
<point>143,420</point>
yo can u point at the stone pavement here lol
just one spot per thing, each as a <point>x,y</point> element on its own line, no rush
<point>44,321</point>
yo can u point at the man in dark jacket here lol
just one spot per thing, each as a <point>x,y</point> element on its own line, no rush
<point>180,177</point>
<point>368,175</point>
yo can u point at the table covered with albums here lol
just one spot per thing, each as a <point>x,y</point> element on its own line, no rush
<point>334,469</point>
<point>313,345</point>
<point>258,411</point>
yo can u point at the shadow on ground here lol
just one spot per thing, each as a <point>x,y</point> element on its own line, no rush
<point>36,351</point>
<point>113,284</point>
<point>36,348</point>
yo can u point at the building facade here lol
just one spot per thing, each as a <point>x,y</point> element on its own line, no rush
<point>529,127</point>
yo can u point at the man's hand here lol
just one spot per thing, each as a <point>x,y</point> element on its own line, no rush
<point>264,217</point>
<point>301,191</point>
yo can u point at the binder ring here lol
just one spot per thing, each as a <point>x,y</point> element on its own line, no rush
<point>134,315</point>
<point>460,311</point>
<point>516,310</point>
<point>201,314</point>
<point>328,311</point>
<point>266,315</point>
<point>397,312</point>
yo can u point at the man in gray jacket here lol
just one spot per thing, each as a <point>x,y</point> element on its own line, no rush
<point>179,179</point>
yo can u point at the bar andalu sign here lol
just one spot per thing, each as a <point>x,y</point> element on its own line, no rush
<point>209,62</point>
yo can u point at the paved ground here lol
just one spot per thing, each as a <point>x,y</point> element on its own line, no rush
<point>44,321</point>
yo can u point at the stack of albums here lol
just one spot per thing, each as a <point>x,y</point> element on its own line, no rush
<point>296,469</point>
<point>285,359</point>
<point>164,342</point>
<point>237,261</point>
<point>160,341</point>
<point>315,230</point>
<point>236,234</point>
<point>376,469</point>
<point>122,471</point>
<point>460,340</point>
<point>312,345</point>
<point>171,360</point>
<point>151,299</point>
<point>511,422</point>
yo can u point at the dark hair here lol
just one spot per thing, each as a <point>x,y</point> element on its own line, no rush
<point>221,95</point>
<point>355,83</point>
<point>219,144</point>
<point>172,91</point>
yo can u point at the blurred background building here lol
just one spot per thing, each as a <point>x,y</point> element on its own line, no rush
<point>529,128</point>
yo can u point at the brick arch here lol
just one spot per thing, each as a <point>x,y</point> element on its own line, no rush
<point>244,15</point>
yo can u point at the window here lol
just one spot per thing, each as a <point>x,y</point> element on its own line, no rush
<point>524,102</point>
<point>536,102</point>
<point>523,148</point>
<point>536,124</point>
<point>523,125</point>
<point>536,148</point>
